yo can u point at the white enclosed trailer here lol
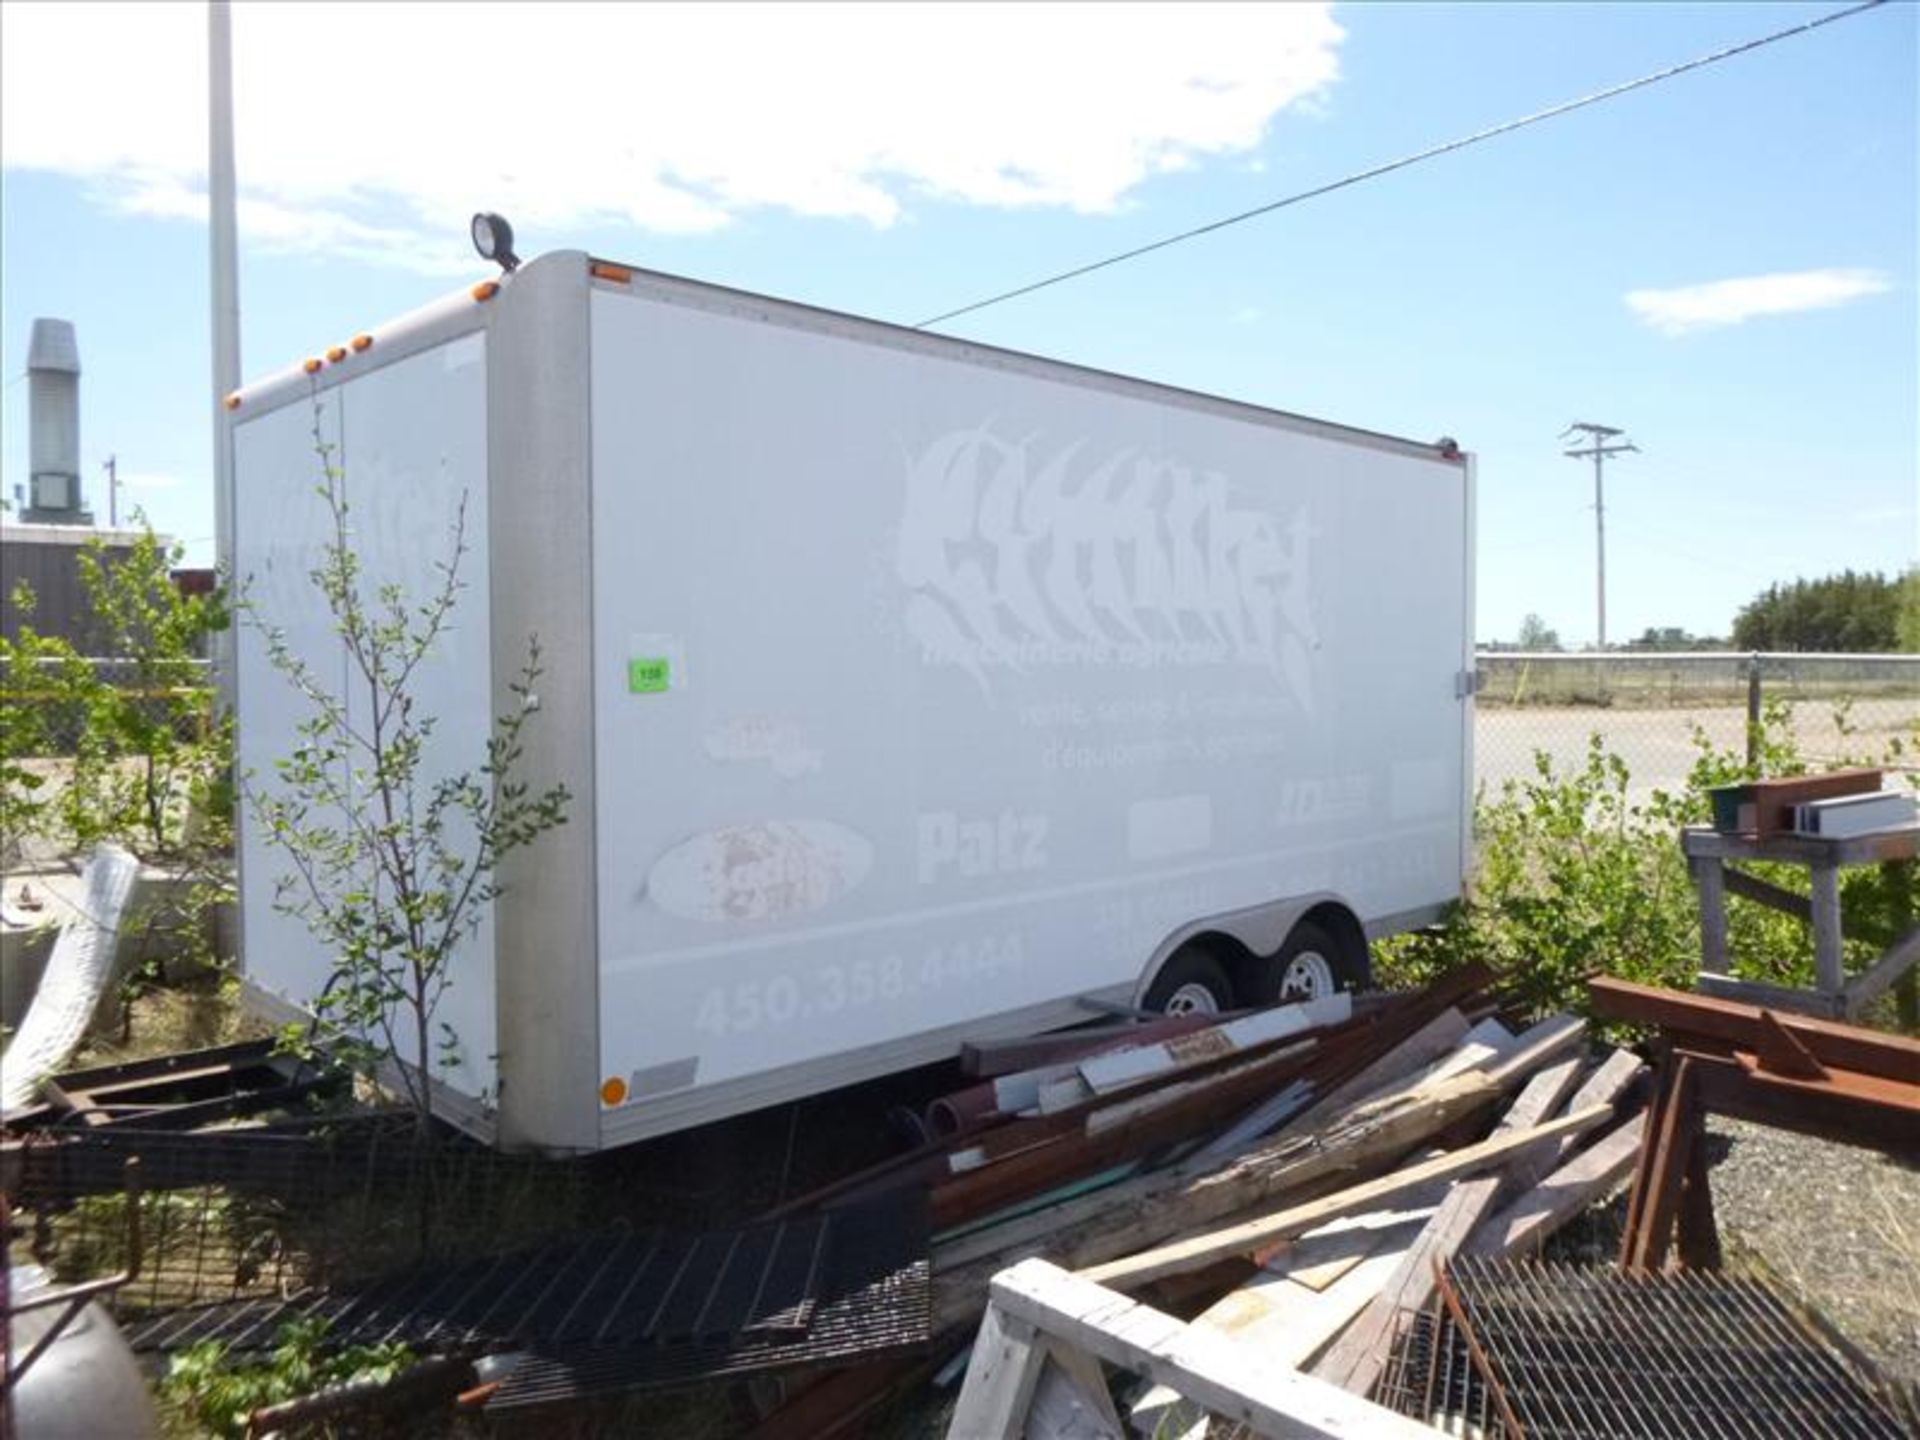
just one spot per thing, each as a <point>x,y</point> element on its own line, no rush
<point>908,690</point>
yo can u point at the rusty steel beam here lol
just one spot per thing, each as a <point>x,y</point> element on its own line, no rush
<point>1703,1022</point>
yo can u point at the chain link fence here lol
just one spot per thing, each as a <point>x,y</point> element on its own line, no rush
<point>1648,708</point>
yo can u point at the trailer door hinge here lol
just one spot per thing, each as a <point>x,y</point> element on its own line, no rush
<point>1468,682</point>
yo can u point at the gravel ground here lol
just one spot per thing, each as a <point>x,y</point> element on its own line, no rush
<point>1838,1224</point>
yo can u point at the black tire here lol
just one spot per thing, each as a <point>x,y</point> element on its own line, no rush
<point>1191,981</point>
<point>1312,964</point>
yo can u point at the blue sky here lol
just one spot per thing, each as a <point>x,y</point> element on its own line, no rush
<point>916,159</point>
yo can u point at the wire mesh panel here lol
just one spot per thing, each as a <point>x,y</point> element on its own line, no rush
<point>1553,1352</point>
<point>264,1214</point>
<point>1655,709</point>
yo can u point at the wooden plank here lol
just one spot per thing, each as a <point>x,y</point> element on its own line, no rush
<point>1360,1354</point>
<point>1537,1046</point>
<point>1264,1118</point>
<point>1072,1402</point>
<point>1710,879</point>
<point>1829,970</point>
<point>1867,986</point>
<point>1764,892</point>
<point>1288,1322</point>
<point>1431,1042</point>
<point>1595,1172</point>
<point>1898,844</point>
<point>1321,1256</point>
<point>1145,1212</point>
<point>1191,1254</point>
<point>1735,1025</point>
<point>1225,1378</point>
<point>1604,1085</point>
<point>1810,1003</point>
<point>1001,1376</point>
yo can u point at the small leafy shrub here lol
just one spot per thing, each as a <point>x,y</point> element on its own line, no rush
<point>214,1394</point>
<point>1577,877</point>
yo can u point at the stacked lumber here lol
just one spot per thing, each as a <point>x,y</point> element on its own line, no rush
<point>1277,1185</point>
<point>1305,1248</point>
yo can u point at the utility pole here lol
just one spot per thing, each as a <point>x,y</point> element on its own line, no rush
<point>112,467</point>
<point>223,258</point>
<point>1597,437</point>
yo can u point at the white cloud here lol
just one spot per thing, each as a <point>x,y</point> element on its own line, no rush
<point>1729,302</point>
<point>150,480</point>
<point>375,131</point>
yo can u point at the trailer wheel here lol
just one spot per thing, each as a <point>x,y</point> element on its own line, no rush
<point>1192,982</point>
<point>1310,966</point>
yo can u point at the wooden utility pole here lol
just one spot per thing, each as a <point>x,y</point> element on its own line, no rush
<point>1597,447</point>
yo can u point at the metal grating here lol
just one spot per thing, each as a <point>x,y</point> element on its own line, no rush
<point>611,1288</point>
<point>1565,1351</point>
<point>1430,1378</point>
<point>876,1302</point>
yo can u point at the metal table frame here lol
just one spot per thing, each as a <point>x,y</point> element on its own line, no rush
<point>1709,853</point>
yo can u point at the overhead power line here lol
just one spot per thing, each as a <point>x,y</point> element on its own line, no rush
<point>1564,108</point>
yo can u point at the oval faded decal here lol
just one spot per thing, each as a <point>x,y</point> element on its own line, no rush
<point>763,871</point>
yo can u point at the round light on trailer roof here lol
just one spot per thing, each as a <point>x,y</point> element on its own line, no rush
<point>493,238</point>
<point>311,365</point>
<point>336,353</point>
<point>361,342</point>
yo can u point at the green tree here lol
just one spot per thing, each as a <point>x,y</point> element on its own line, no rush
<point>1852,611</point>
<point>1669,637</point>
<point>1908,625</point>
<point>143,758</point>
<point>1535,634</point>
<point>153,760</point>
<point>393,859</point>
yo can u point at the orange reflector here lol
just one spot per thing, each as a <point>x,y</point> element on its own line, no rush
<point>337,354</point>
<point>486,290</point>
<point>361,342</point>
<point>612,1090</point>
<point>233,401</point>
<point>601,270</point>
<point>312,366</point>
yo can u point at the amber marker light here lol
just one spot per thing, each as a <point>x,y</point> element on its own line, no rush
<point>618,274</point>
<point>486,290</point>
<point>336,354</point>
<point>612,1090</point>
<point>312,366</point>
<point>360,342</point>
<point>233,401</point>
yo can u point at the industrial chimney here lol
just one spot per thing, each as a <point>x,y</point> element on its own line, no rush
<point>53,426</point>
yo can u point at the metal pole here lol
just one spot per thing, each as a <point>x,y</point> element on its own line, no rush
<point>1600,539</point>
<point>225,277</point>
<point>1753,713</point>
<point>112,468</point>
<point>1598,449</point>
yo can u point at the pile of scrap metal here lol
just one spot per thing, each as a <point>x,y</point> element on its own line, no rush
<point>1364,1270</point>
<point>1286,1180</point>
<point>1794,1072</point>
<point>1665,1344</point>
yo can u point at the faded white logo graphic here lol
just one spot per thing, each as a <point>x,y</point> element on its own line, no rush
<point>768,870</point>
<point>1019,559</point>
